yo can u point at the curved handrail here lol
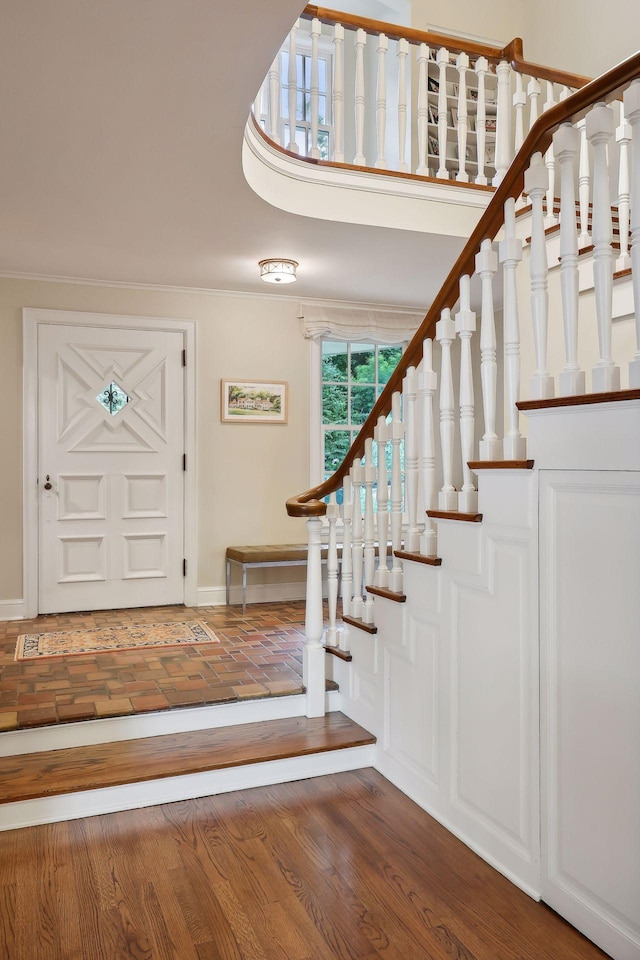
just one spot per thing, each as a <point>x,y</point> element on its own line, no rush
<point>513,51</point>
<point>310,503</point>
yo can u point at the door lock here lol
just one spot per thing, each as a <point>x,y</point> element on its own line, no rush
<point>48,485</point>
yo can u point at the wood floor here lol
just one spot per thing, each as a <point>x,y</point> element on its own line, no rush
<point>343,866</point>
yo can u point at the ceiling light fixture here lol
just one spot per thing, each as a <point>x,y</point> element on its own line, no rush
<point>278,271</point>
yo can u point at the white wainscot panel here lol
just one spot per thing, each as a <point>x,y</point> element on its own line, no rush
<point>80,559</point>
<point>423,587</point>
<point>145,495</point>
<point>411,699</point>
<point>460,545</point>
<point>491,699</point>
<point>507,497</point>
<point>145,555</point>
<point>81,496</point>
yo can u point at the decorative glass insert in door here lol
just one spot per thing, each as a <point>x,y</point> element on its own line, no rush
<point>113,398</point>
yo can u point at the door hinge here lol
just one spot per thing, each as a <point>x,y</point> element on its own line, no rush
<point>184,461</point>
<point>184,358</point>
<point>184,567</point>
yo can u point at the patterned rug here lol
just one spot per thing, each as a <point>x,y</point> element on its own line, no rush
<point>69,643</point>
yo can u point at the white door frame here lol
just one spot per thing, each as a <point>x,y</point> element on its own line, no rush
<point>31,319</point>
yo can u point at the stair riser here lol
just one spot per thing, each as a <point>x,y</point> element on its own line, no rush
<point>115,729</point>
<point>91,803</point>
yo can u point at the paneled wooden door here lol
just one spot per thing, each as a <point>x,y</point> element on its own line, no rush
<point>110,467</point>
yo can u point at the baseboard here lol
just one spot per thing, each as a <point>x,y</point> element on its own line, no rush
<point>256,593</point>
<point>131,796</point>
<point>12,610</point>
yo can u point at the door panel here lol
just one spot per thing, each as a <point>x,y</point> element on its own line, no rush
<point>111,440</point>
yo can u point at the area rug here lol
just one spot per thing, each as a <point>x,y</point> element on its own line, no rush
<point>69,643</point>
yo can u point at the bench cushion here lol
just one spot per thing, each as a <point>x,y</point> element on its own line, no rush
<point>269,553</point>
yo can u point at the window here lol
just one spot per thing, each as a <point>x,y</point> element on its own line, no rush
<point>353,377</point>
<point>303,101</point>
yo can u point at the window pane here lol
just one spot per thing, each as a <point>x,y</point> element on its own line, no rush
<point>334,404</point>
<point>322,109</point>
<point>388,358</point>
<point>334,361</point>
<point>301,140</point>
<point>336,446</point>
<point>322,75</point>
<point>363,362</point>
<point>299,70</point>
<point>300,106</point>
<point>362,400</point>
<point>323,144</point>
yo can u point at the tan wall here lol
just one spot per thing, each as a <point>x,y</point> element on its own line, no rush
<point>245,471</point>
<point>498,20</point>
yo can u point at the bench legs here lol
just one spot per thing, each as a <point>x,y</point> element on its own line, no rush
<point>244,585</point>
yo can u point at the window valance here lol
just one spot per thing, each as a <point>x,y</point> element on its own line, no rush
<point>359,324</point>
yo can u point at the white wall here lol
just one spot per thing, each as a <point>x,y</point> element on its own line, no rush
<point>245,471</point>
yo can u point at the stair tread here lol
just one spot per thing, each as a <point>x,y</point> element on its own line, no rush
<point>360,624</point>
<point>387,594</point>
<point>58,772</point>
<point>418,558</point>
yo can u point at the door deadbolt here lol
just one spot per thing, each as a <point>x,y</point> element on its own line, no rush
<point>48,485</point>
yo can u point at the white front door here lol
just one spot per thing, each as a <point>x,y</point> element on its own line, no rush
<point>110,467</point>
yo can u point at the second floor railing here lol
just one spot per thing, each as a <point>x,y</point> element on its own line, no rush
<point>345,89</point>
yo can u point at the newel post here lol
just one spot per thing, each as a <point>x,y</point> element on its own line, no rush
<point>313,665</point>
<point>632,113</point>
<point>503,123</point>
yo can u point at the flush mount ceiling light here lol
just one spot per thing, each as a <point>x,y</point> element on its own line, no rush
<point>278,271</point>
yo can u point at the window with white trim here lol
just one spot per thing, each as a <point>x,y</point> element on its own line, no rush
<point>303,100</point>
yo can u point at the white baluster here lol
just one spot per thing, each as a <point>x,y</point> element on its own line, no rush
<point>347,558</point>
<point>486,267</point>
<point>397,433</point>
<point>482,67</point>
<point>381,104</point>
<point>533,89</point>
<point>445,335</point>
<point>369,529</point>
<point>333,512</point>
<point>550,219</point>
<point>566,144</point>
<point>443,113</point>
<point>314,87</point>
<point>338,93</point>
<point>428,387</point>
<point>535,184</point>
<point>423,109</point>
<point>462,63</point>
<point>632,113</point>
<point>623,139</point>
<point>383,573</point>
<point>292,92</point>
<point>465,328</point>
<point>410,387</point>
<point>274,100</point>
<point>360,41</point>
<point>357,542</point>
<point>403,52</point>
<point>519,101</point>
<point>503,123</point>
<point>584,185</point>
<point>605,375</point>
<point>510,255</point>
<point>313,657</point>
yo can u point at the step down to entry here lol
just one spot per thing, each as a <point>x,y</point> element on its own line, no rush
<point>101,778</point>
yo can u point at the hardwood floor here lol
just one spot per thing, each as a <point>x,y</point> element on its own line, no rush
<point>343,866</point>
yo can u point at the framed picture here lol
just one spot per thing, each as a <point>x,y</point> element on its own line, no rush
<point>432,85</point>
<point>473,93</point>
<point>433,114</point>
<point>455,90</point>
<point>433,146</point>
<point>454,117</point>
<point>490,155</point>
<point>490,124</point>
<point>253,401</point>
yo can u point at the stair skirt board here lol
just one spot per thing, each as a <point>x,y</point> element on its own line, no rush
<point>180,720</point>
<point>131,796</point>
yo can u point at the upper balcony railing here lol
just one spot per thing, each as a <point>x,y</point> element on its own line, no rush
<point>388,98</point>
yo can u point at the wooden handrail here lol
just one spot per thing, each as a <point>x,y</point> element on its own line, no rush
<point>512,52</point>
<point>606,87</point>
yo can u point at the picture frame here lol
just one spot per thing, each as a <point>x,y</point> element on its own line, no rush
<point>433,146</point>
<point>433,114</point>
<point>472,94</point>
<point>455,89</point>
<point>490,153</point>
<point>454,117</point>
<point>433,86</point>
<point>490,124</point>
<point>254,401</point>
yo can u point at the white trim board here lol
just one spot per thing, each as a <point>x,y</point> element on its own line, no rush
<point>12,610</point>
<point>131,796</point>
<point>31,319</point>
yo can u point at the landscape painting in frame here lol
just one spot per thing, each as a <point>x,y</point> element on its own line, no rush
<point>253,401</point>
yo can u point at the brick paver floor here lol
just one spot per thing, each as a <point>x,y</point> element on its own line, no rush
<point>259,655</point>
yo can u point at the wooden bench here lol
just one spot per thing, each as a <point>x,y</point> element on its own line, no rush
<point>270,555</point>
